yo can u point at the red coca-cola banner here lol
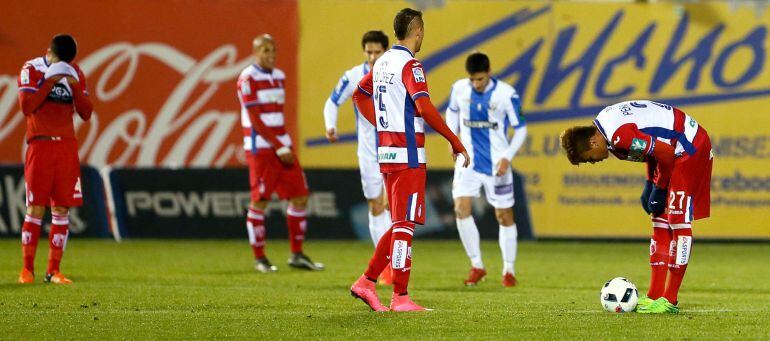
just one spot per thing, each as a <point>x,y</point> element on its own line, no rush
<point>161,74</point>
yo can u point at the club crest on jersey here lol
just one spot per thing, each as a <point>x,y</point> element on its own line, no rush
<point>419,77</point>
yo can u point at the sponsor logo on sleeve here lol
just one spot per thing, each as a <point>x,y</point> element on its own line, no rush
<point>24,77</point>
<point>636,152</point>
<point>419,77</point>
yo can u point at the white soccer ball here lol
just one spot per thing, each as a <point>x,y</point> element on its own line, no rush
<point>619,295</point>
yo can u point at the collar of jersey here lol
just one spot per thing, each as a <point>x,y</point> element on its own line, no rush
<point>494,85</point>
<point>45,60</point>
<point>404,48</point>
<point>260,69</point>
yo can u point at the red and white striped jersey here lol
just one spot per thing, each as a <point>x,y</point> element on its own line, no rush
<point>264,90</point>
<point>633,128</point>
<point>395,82</point>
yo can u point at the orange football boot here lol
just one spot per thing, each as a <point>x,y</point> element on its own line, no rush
<point>57,278</point>
<point>26,276</point>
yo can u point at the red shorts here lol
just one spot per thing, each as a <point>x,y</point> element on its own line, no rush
<point>52,173</point>
<point>406,193</point>
<point>267,174</point>
<point>689,192</point>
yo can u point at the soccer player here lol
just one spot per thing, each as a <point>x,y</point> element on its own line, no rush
<point>394,97</point>
<point>272,164</point>
<point>51,89</point>
<point>677,151</point>
<point>480,111</point>
<point>374,44</point>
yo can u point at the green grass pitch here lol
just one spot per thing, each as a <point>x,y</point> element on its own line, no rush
<point>207,289</point>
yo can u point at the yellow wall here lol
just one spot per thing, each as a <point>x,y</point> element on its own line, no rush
<point>330,44</point>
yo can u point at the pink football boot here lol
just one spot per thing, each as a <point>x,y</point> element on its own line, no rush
<point>403,303</point>
<point>363,289</point>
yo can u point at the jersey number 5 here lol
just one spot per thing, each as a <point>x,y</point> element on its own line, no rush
<point>381,90</point>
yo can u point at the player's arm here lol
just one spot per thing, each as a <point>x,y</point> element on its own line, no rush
<point>341,93</point>
<point>83,105</point>
<point>32,96</point>
<point>362,98</point>
<point>519,134</point>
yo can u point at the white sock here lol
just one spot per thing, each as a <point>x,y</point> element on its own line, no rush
<point>378,225</point>
<point>469,236</point>
<point>508,236</point>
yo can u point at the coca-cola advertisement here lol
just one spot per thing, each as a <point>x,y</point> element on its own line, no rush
<point>162,76</point>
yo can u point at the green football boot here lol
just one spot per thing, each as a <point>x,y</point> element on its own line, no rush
<point>660,306</point>
<point>644,303</point>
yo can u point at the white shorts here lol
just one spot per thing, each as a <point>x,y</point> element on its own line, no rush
<point>497,189</point>
<point>371,178</point>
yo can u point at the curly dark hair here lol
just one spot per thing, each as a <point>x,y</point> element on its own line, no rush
<point>575,141</point>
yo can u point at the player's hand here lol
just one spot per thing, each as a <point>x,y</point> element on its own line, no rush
<point>71,80</point>
<point>645,198</point>
<point>286,155</point>
<point>466,159</point>
<point>503,166</point>
<point>331,135</point>
<point>657,202</point>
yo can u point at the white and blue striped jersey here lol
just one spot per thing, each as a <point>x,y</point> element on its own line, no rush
<point>366,133</point>
<point>482,120</point>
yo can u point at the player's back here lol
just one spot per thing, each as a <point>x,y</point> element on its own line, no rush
<point>667,123</point>
<point>397,81</point>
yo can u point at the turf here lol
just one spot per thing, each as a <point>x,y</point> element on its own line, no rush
<point>208,289</point>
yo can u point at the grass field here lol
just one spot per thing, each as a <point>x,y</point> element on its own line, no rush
<point>207,289</point>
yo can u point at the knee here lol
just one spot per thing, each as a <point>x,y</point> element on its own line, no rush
<point>504,216</point>
<point>36,212</point>
<point>299,202</point>
<point>258,205</point>
<point>462,210</point>
<point>60,210</point>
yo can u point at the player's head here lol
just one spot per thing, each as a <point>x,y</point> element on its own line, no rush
<point>264,51</point>
<point>374,44</point>
<point>408,25</point>
<point>63,47</point>
<point>477,66</point>
<point>584,144</point>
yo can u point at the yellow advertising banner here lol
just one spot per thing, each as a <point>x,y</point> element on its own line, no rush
<point>568,61</point>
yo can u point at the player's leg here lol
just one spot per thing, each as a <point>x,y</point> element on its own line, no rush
<point>508,239</point>
<point>38,182</point>
<point>373,186</point>
<point>680,257</point>
<point>262,184</point>
<point>66,194</point>
<point>30,234</point>
<point>465,187</point>
<point>292,185</point>
<point>660,246</point>
<point>379,225</point>
<point>408,210</point>
<point>499,193</point>
<point>57,242</point>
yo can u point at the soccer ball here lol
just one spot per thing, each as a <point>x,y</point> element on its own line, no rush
<point>619,296</point>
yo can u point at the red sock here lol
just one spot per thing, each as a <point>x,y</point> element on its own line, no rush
<point>30,234</point>
<point>677,264</point>
<point>57,241</point>
<point>380,258</point>
<point>660,244</point>
<point>255,226</point>
<point>401,255</point>
<point>295,220</point>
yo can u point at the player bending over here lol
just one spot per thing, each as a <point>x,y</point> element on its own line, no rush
<point>394,97</point>
<point>272,165</point>
<point>374,44</point>
<point>677,151</point>
<point>481,109</point>
<point>51,89</point>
